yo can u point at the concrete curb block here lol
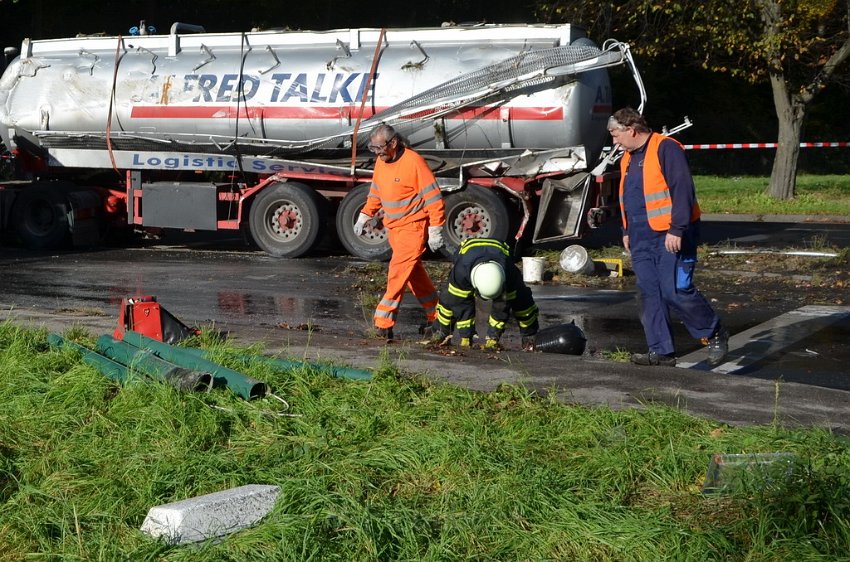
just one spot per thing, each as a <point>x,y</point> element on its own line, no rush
<point>212,515</point>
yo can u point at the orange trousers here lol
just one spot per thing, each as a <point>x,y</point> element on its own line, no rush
<point>406,271</point>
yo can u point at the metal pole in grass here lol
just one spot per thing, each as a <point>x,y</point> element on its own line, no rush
<point>146,362</point>
<point>241,384</point>
<point>285,365</point>
<point>106,366</point>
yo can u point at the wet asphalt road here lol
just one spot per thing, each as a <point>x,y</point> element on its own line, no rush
<point>206,280</point>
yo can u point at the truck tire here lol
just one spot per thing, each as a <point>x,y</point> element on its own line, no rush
<point>40,218</point>
<point>374,243</point>
<point>286,219</point>
<point>474,212</point>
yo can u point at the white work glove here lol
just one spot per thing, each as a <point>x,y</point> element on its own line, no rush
<point>361,223</point>
<point>435,238</point>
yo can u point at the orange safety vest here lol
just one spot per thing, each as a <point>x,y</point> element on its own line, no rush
<point>656,192</point>
<point>407,191</point>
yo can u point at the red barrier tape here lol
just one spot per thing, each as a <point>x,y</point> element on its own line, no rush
<point>765,145</point>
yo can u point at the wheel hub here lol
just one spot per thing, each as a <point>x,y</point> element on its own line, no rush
<point>286,221</point>
<point>472,222</point>
<point>41,217</point>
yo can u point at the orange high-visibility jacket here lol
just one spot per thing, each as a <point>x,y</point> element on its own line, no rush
<point>656,192</point>
<point>406,190</point>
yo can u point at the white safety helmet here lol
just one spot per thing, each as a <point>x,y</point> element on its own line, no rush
<point>488,278</point>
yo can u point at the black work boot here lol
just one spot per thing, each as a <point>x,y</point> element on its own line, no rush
<point>653,358</point>
<point>384,333</point>
<point>718,347</point>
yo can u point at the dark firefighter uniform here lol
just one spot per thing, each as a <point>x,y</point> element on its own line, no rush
<point>456,308</point>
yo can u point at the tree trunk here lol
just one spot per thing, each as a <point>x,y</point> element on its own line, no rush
<point>790,112</point>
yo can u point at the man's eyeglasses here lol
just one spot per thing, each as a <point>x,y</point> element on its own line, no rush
<point>378,148</point>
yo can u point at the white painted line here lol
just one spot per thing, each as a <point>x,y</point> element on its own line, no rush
<point>769,337</point>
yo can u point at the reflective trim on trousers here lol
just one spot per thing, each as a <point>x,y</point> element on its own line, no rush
<point>444,315</point>
<point>391,304</point>
<point>527,322</point>
<point>385,313</point>
<point>406,272</point>
<point>497,324</point>
<point>465,323</point>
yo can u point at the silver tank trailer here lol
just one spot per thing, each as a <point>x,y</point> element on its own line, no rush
<point>285,92</point>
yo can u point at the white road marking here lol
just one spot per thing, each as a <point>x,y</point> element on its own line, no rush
<point>769,337</point>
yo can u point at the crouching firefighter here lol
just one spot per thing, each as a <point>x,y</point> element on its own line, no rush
<point>484,268</point>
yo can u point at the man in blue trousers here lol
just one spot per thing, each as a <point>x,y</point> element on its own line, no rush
<point>661,219</point>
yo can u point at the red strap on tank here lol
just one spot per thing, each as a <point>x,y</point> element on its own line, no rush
<point>365,95</point>
<point>111,100</point>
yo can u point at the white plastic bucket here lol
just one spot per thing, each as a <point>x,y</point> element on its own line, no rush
<point>574,259</point>
<point>532,269</point>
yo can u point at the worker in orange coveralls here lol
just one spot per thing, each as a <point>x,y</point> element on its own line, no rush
<point>404,187</point>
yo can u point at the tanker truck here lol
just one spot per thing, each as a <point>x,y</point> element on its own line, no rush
<point>266,132</point>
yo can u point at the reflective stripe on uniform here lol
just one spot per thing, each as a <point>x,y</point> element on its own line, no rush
<point>444,315</point>
<point>404,212</point>
<point>458,292</point>
<point>526,318</point>
<point>461,324</point>
<point>658,195</point>
<point>470,243</point>
<point>385,313</point>
<point>665,210</point>
<point>497,324</point>
<point>429,303</point>
<point>433,199</point>
<point>527,313</point>
<point>526,323</point>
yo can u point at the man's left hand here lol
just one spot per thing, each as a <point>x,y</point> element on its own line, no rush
<point>435,238</point>
<point>673,243</point>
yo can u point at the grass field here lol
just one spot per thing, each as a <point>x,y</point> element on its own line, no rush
<point>397,468</point>
<point>815,195</point>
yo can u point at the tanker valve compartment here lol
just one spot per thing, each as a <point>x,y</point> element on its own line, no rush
<point>187,205</point>
<point>563,205</point>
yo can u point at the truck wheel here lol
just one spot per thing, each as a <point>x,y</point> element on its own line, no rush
<point>373,244</point>
<point>474,212</point>
<point>286,219</point>
<point>40,218</point>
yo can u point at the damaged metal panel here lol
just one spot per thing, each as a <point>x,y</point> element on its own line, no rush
<point>563,208</point>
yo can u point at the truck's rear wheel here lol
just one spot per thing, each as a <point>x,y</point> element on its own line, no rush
<point>474,212</point>
<point>286,219</point>
<point>40,218</point>
<point>373,244</point>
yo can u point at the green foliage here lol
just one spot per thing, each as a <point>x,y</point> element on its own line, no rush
<point>399,468</point>
<point>619,355</point>
<point>816,195</point>
<point>798,47</point>
<point>747,38</point>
